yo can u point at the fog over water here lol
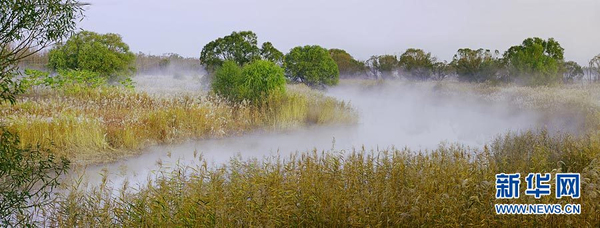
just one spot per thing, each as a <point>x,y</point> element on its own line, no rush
<point>398,114</point>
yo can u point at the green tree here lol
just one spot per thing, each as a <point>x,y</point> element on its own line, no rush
<point>26,27</point>
<point>572,71</point>
<point>105,54</point>
<point>239,47</point>
<point>476,65</point>
<point>311,65</point>
<point>417,63</point>
<point>441,70</point>
<point>347,65</point>
<point>270,53</point>
<point>535,61</point>
<point>254,82</point>
<point>383,66</point>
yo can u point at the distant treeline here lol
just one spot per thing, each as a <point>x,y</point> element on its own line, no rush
<point>144,63</point>
<point>533,62</point>
<point>165,63</point>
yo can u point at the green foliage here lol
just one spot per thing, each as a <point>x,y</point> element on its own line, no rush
<point>535,61</point>
<point>572,71</point>
<point>417,63</point>
<point>255,82</point>
<point>227,80</point>
<point>347,65</point>
<point>27,177</point>
<point>71,81</point>
<point>105,54</point>
<point>260,80</point>
<point>26,27</point>
<point>311,65</point>
<point>239,47</point>
<point>270,53</point>
<point>383,64</point>
<point>441,70</point>
<point>476,65</point>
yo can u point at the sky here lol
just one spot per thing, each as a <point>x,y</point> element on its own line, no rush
<point>363,28</point>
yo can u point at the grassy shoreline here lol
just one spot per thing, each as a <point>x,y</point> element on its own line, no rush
<point>452,185</point>
<point>449,186</point>
<point>106,124</point>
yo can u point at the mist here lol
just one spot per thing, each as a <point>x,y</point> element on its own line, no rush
<point>399,114</point>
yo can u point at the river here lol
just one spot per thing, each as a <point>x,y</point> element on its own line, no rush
<point>413,116</point>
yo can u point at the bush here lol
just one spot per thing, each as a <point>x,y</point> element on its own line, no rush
<point>254,82</point>
<point>262,79</point>
<point>227,80</point>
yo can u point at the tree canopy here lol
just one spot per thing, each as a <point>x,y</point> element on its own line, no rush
<point>383,65</point>
<point>347,65</point>
<point>311,65</point>
<point>239,47</point>
<point>476,65</point>
<point>535,61</point>
<point>417,63</point>
<point>105,54</point>
<point>270,53</point>
<point>572,71</point>
<point>28,26</point>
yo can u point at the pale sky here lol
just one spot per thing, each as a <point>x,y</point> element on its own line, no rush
<point>361,27</point>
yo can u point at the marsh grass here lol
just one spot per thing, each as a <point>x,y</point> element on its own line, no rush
<point>448,186</point>
<point>452,185</point>
<point>104,124</point>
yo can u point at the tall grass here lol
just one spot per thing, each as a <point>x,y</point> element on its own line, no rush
<point>448,186</point>
<point>104,124</point>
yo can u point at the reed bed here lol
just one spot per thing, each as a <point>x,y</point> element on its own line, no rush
<point>105,124</point>
<point>449,186</point>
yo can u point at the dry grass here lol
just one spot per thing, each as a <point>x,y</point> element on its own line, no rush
<point>449,186</point>
<point>105,124</point>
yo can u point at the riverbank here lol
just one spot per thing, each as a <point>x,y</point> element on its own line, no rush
<point>107,124</point>
<point>452,186</point>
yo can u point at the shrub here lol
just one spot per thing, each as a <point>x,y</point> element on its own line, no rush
<point>260,80</point>
<point>227,80</point>
<point>254,82</point>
